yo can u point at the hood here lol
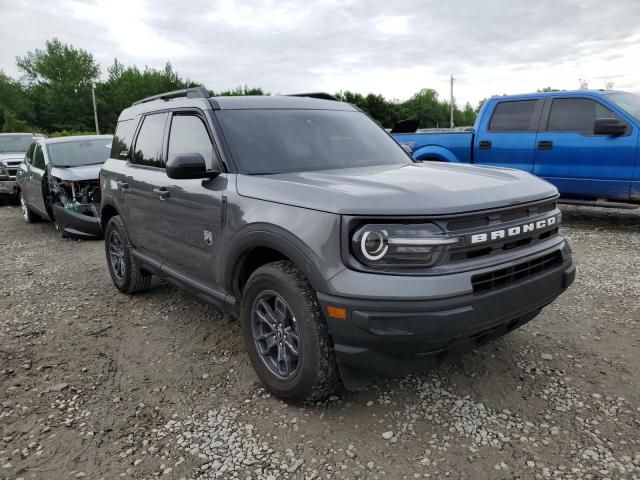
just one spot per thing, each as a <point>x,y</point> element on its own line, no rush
<point>417,189</point>
<point>13,157</point>
<point>76,174</point>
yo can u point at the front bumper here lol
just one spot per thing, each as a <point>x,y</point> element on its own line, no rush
<point>8,188</point>
<point>396,337</point>
<point>76,225</point>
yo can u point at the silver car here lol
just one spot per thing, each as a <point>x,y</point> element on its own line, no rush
<point>59,181</point>
<point>13,146</point>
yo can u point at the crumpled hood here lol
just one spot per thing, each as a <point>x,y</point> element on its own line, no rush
<point>12,157</point>
<point>418,189</point>
<point>76,174</point>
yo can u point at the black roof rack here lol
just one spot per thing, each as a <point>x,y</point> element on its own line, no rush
<point>320,95</point>
<point>196,92</point>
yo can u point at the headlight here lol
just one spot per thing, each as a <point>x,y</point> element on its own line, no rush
<point>400,245</point>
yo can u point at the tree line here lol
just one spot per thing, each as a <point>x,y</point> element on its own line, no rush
<point>53,94</point>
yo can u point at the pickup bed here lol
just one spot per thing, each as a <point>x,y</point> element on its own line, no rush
<point>583,142</point>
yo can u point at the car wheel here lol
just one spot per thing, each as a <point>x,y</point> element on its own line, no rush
<point>124,268</point>
<point>27,214</point>
<point>286,335</point>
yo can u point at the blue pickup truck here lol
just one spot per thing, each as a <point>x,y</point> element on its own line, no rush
<point>583,142</point>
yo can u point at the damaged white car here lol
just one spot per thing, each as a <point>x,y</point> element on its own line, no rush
<point>59,181</point>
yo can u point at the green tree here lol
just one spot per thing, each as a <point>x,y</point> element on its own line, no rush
<point>58,80</point>
<point>16,110</point>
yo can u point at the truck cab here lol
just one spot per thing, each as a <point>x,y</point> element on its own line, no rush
<point>583,142</point>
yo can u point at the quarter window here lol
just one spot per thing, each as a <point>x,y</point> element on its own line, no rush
<point>516,116</point>
<point>189,135</point>
<point>148,149</point>
<point>122,139</point>
<point>576,115</point>
<point>38,157</point>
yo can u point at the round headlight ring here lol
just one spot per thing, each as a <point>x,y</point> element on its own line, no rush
<point>381,247</point>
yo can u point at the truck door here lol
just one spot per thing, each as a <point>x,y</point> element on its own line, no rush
<point>578,162</point>
<point>193,207</point>
<point>146,223</point>
<point>507,135</point>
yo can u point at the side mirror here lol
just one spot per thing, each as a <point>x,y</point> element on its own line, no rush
<point>189,166</point>
<point>609,126</point>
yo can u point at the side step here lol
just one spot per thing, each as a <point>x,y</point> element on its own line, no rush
<point>598,203</point>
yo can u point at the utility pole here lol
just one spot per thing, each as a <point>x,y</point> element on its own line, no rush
<point>451,117</point>
<point>95,110</point>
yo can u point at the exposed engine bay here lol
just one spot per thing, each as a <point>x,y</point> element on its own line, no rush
<point>81,197</point>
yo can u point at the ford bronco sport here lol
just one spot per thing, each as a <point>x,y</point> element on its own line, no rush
<point>343,258</point>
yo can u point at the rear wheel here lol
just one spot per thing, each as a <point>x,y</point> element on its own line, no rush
<point>124,268</point>
<point>27,214</point>
<point>286,336</point>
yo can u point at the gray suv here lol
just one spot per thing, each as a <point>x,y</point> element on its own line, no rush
<point>343,258</point>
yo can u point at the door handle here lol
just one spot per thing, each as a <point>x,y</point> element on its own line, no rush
<point>485,144</point>
<point>122,185</point>
<point>545,145</point>
<point>161,192</point>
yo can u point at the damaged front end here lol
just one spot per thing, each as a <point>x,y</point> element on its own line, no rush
<point>75,207</point>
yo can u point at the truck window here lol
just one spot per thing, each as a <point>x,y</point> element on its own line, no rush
<point>148,149</point>
<point>576,115</point>
<point>189,135</point>
<point>122,139</point>
<point>514,116</point>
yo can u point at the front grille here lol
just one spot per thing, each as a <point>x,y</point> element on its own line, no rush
<point>510,275</point>
<point>12,171</point>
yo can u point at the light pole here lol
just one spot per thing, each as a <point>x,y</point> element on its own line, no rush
<point>95,110</point>
<point>451,114</point>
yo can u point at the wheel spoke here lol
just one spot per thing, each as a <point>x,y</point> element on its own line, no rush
<point>280,311</point>
<point>266,320</point>
<point>292,335</point>
<point>284,363</point>
<point>293,349</point>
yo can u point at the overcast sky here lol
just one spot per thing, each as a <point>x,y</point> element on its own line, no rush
<point>391,47</point>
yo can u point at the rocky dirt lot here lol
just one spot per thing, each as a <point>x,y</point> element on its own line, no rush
<point>99,385</point>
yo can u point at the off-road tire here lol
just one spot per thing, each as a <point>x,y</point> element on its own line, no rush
<point>133,279</point>
<point>27,215</point>
<point>317,376</point>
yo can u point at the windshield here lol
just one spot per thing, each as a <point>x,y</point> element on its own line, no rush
<point>628,102</point>
<point>79,152</point>
<point>279,141</point>
<point>15,143</point>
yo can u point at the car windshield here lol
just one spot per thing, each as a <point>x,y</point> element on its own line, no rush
<point>79,152</point>
<point>15,143</point>
<point>628,102</point>
<point>279,141</point>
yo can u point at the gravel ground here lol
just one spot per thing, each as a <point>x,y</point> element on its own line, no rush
<point>97,384</point>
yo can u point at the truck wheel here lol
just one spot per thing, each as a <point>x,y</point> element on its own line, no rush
<point>286,335</point>
<point>123,266</point>
<point>27,214</point>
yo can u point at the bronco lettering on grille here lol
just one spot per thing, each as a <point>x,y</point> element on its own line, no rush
<point>514,231</point>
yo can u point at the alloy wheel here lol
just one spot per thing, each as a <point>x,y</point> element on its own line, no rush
<point>116,255</point>
<point>275,334</point>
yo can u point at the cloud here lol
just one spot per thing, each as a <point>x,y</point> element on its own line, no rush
<point>393,48</point>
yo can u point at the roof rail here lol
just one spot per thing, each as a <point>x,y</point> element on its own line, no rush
<point>196,92</point>
<point>320,95</point>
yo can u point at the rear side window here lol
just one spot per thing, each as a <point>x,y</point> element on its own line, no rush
<point>189,135</point>
<point>576,115</point>
<point>148,149</point>
<point>38,157</point>
<point>122,139</point>
<point>515,116</point>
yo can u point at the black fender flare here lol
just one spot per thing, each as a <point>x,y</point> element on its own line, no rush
<point>275,238</point>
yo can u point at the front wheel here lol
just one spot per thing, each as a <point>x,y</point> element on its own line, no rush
<point>286,336</point>
<point>27,214</point>
<point>124,268</point>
